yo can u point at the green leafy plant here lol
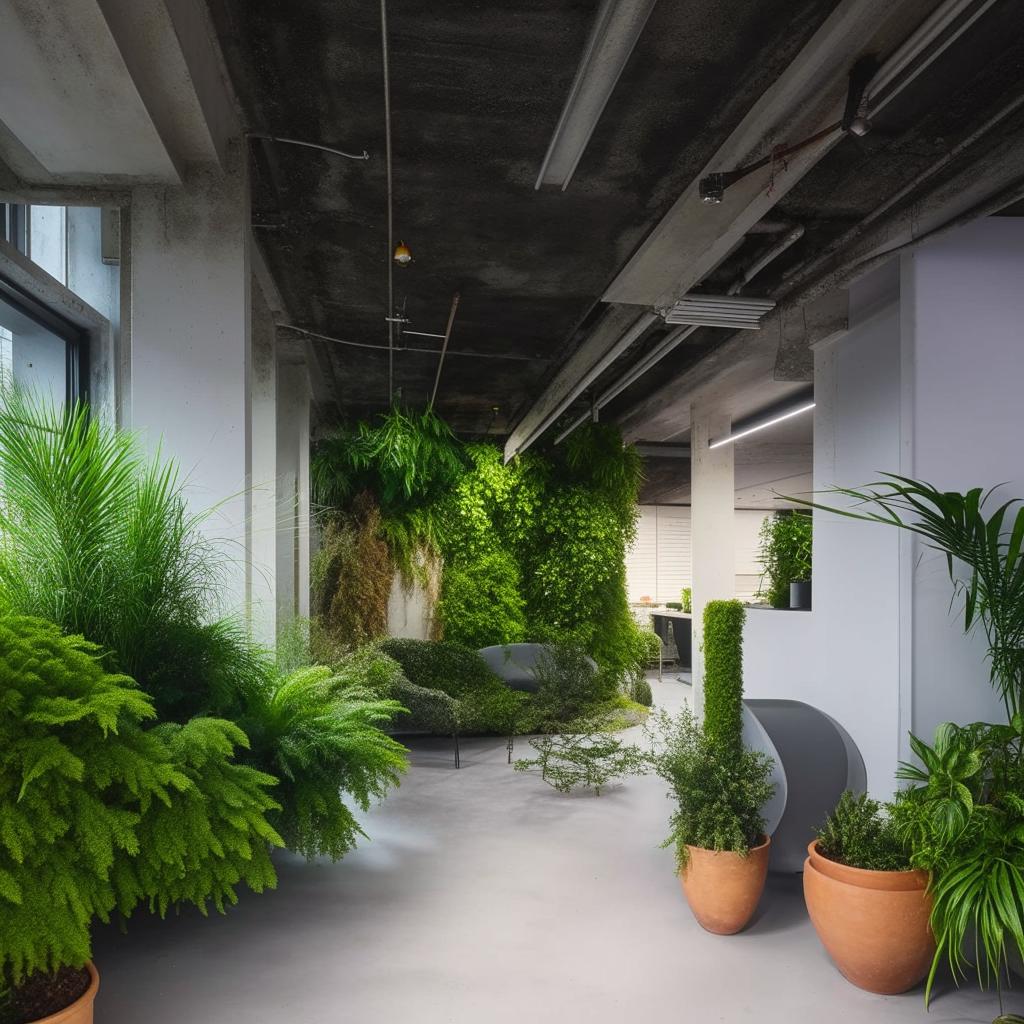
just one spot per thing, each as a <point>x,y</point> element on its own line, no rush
<point>569,687</point>
<point>963,817</point>
<point>686,599</point>
<point>531,550</point>
<point>723,673</point>
<point>582,754</point>
<point>990,547</point>
<point>785,555</point>
<point>351,579</point>
<point>484,703</point>
<point>719,790</point>
<point>404,458</point>
<point>860,833</point>
<point>99,814</point>
<point>481,602</point>
<point>320,735</point>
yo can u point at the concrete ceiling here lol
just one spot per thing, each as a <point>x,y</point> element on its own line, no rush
<point>477,89</point>
<point>476,92</point>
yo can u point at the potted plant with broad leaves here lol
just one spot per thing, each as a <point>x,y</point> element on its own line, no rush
<point>719,786</point>
<point>98,815</point>
<point>869,907</point>
<point>963,818</point>
<point>963,815</point>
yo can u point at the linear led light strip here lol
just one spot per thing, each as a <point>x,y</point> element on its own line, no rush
<point>616,30</point>
<point>806,407</point>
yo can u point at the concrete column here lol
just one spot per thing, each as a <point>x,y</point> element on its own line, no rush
<point>712,534</point>
<point>292,538</point>
<point>261,495</point>
<point>190,310</point>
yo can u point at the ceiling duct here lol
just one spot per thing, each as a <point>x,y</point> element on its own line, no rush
<point>733,311</point>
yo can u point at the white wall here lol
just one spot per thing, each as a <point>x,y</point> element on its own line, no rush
<point>190,327</point>
<point>963,316</point>
<point>857,570</point>
<point>925,383</point>
<point>779,656</point>
<point>658,563</point>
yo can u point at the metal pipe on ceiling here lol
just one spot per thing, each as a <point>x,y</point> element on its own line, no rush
<point>638,327</point>
<point>309,145</point>
<point>385,61</point>
<point>513,356</point>
<point>444,346</point>
<point>806,271</point>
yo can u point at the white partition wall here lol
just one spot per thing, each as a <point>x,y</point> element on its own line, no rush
<point>926,382</point>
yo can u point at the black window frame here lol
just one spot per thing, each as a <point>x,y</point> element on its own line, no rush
<point>76,339</point>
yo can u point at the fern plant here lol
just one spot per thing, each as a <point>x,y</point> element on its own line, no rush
<point>320,736</point>
<point>98,813</point>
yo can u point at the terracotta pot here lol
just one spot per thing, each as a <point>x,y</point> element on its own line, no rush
<point>874,924</point>
<point>80,1011</point>
<point>723,889</point>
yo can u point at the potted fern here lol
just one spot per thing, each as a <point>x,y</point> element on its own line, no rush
<point>869,907</point>
<point>720,787</point>
<point>98,814</point>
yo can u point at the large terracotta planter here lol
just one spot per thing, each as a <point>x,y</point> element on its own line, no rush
<point>874,924</point>
<point>723,889</point>
<point>80,1011</point>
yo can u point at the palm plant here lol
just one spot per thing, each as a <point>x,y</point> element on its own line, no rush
<point>97,537</point>
<point>989,545</point>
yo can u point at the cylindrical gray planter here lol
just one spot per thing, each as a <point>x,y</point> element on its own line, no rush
<point>800,594</point>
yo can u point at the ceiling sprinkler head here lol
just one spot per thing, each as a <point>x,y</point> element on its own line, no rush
<point>403,255</point>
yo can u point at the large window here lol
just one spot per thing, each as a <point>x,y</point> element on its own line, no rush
<point>38,349</point>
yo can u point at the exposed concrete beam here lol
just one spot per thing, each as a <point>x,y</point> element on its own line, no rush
<point>69,98</point>
<point>618,328</point>
<point>208,72</point>
<point>748,356</point>
<point>694,236</point>
<point>152,52</point>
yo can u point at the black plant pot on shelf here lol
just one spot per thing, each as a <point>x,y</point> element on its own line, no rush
<point>800,595</point>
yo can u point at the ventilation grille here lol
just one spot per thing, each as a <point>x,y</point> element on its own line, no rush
<point>731,311</point>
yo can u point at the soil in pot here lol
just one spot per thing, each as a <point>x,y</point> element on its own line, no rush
<point>45,996</point>
<point>723,889</point>
<point>874,924</point>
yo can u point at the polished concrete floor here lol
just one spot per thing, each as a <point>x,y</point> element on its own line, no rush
<point>485,897</point>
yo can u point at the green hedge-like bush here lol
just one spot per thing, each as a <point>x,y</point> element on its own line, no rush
<point>723,673</point>
<point>481,604</point>
<point>569,687</point>
<point>485,703</point>
<point>98,813</point>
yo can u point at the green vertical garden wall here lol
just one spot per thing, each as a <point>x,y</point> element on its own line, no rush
<point>533,550</point>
